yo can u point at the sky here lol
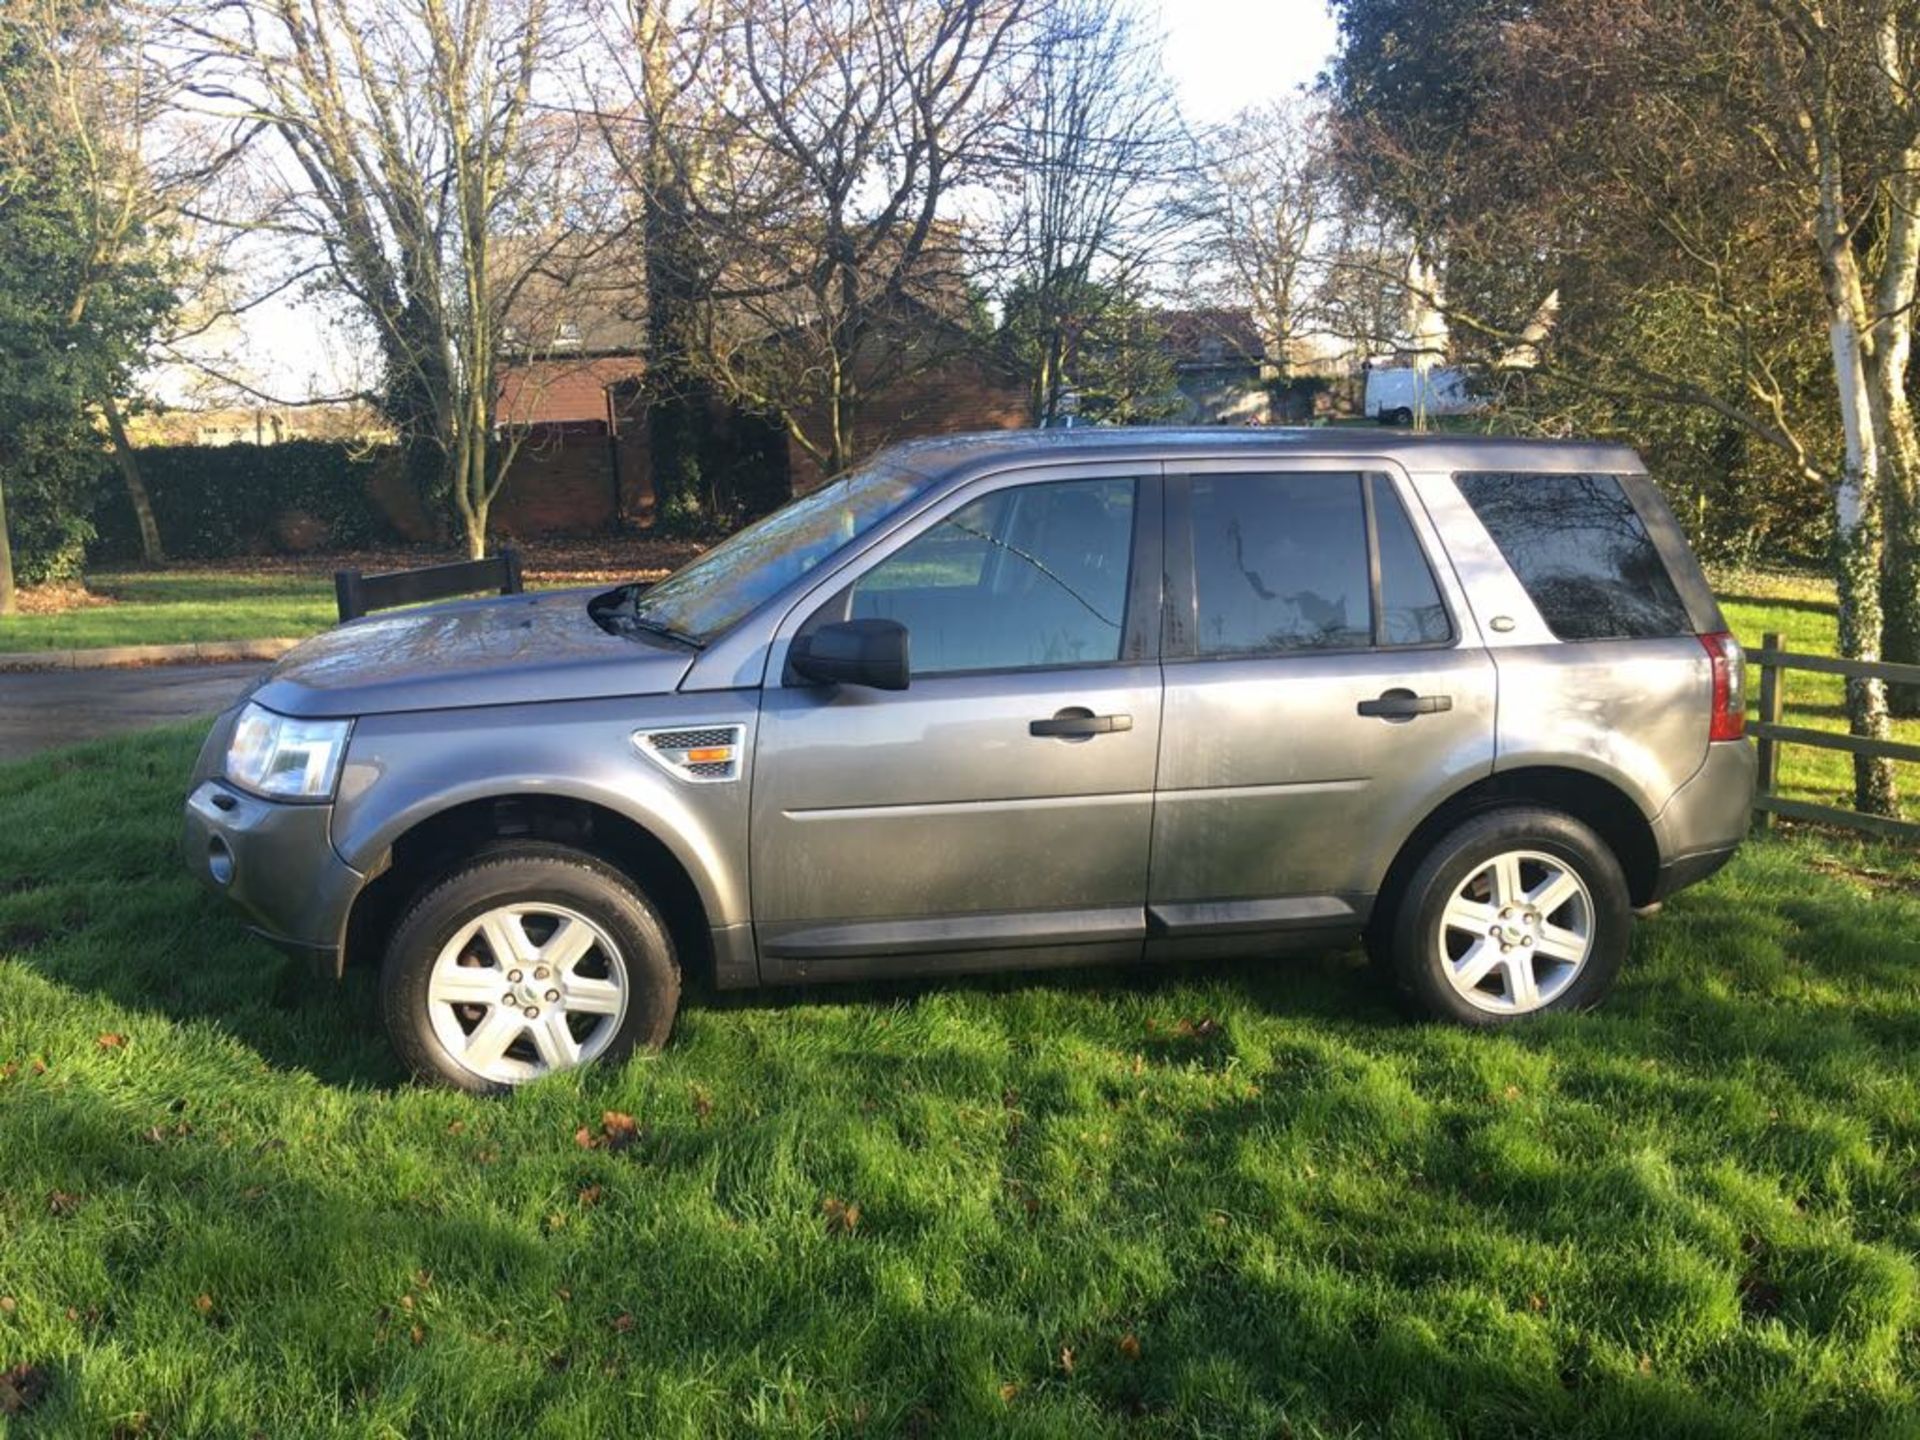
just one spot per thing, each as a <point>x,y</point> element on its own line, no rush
<point>1225,55</point>
<point>1222,55</point>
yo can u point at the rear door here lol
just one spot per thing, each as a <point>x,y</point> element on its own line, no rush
<point>998,811</point>
<point>1323,693</point>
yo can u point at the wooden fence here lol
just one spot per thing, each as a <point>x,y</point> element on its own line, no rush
<point>1771,734</point>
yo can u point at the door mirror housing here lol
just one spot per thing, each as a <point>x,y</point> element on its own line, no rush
<point>872,653</point>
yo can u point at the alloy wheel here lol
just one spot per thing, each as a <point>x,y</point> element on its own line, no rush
<point>1516,932</point>
<point>523,990</point>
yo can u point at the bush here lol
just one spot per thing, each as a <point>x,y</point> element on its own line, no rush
<point>49,480</point>
<point>212,502</point>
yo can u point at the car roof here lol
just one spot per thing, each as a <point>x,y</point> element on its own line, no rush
<point>943,455</point>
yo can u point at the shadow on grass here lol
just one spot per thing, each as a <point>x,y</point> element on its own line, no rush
<point>1802,605</point>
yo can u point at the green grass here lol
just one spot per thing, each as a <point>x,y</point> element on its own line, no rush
<point>1217,1200</point>
<point>163,608</point>
<point>1801,609</point>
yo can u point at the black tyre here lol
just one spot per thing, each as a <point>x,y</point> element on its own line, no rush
<point>529,959</point>
<point>1515,913</point>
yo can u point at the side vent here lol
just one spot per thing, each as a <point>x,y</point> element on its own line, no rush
<point>707,755</point>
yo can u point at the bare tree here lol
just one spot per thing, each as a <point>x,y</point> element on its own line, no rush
<point>420,154</point>
<point>1094,145</point>
<point>826,213</point>
<point>1271,185</point>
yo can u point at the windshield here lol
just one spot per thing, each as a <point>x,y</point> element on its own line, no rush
<point>737,575</point>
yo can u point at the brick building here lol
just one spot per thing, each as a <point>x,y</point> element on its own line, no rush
<point>584,465</point>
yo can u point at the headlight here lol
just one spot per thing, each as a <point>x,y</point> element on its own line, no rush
<point>278,755</point>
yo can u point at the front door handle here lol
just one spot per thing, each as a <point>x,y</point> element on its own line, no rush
<point>1404,705</point>
<point>1079,724</point>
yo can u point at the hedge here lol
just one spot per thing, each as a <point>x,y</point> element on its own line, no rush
<point>216,501</point>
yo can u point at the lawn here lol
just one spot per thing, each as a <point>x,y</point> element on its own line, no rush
<point>283,597</point>
<point>1801,609</point>
<point>172,607</point>
<point>1206,1201</point>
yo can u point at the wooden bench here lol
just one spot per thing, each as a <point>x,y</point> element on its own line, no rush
<point>358,594</point>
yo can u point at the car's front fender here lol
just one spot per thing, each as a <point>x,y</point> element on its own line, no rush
<point>402,770</point>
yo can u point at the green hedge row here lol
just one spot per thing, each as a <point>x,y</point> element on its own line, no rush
<point>215,501</point>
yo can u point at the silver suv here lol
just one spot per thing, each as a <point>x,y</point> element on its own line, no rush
<point>1016,700</point>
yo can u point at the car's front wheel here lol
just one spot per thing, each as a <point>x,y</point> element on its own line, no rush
<point>1514,913</point>
<point>523,962</point>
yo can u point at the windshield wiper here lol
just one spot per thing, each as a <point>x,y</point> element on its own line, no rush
<point>660,627</point>
<point>624,615</point>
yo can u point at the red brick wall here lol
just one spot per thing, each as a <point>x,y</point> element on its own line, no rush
<point>561,483</point>
<point>961,395</point>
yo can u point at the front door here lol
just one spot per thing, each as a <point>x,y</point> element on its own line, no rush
<point>1321,698</point>
<point>999,810</point>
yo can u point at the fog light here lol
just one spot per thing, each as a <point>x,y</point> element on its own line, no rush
<point>219,861</point>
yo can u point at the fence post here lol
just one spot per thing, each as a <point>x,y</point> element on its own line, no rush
<point>510,582</point>
<point>347,596</point>
<point>1772,706</point>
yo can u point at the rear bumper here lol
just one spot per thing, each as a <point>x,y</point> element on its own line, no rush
<point>277,864</point>
<point>1684,870</point>
<point>1707,818</point>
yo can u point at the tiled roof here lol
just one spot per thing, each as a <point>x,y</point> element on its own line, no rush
<point>563,391</point>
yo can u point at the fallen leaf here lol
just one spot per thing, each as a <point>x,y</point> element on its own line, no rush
<point>486,1155</point>
<point>622,1323</point>
<point>8,1304</point>
<point>456,1127</point>
<point>21,1388</point>
<point>1536,1303</point>
<point>418,1335</point>
<point>1130,1345</point>
<point>617,1130</point>
<point>1512,1092</point>
<point>61,1202</point>
<point>702,1102</point>
<point>111,1041</point>
<point>203,1302</point>
<point>1646,1363</point>
<point>1007,1392</point>
<point>134,1425</point>
<point>583,1137</point>
<point>590,1196</point>
<point>841,1216</point>
<point>1066,1358</point>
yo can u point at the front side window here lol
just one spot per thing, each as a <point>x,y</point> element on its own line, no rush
<point>1027,577</point>
<point>1582,552</point>
<point>1280,564</point>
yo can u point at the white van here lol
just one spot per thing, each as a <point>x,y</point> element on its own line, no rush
<point>1395,394</point>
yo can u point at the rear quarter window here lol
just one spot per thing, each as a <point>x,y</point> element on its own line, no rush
<point>1581,551</point>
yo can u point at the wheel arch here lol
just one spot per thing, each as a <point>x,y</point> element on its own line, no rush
<point>434,844</point>
<point>1598,803</point>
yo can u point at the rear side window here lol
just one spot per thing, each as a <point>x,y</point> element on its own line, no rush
<point>1280,564</point>
<point>1411,611</point>
<point>1583,554</point>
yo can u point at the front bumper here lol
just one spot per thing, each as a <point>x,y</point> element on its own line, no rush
<point>277,863</point>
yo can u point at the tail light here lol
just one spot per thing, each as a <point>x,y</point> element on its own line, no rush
<point>1729,686</point>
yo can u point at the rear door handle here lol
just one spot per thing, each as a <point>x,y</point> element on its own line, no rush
<point>1404,705</point>
<point>1078,724</point>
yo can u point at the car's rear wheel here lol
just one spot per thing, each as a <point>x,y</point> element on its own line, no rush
<point>1514,913</point>
<point>524,962</point>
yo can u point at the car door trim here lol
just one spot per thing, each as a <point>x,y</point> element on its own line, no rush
<point>989,931</point>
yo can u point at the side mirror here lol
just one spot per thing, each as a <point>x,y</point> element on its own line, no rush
<point>853,652</point>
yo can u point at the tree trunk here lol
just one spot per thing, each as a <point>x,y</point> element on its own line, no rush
<point>129,462</point>
<point>7,603</point>
<point>1858,544</point>
<point>1900,569</point>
